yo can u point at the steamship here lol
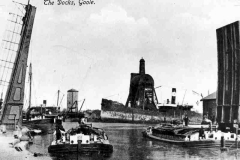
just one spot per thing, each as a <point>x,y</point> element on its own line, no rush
<point>42,117</point>
<point>142,104</point>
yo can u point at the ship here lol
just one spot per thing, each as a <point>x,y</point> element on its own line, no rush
<point>42,117</point>
<point>142,104</point>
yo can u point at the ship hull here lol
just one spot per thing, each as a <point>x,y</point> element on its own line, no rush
<point>123,117</point>
<point>46,126</point>
<point>195,144</point>
<point>115,112</point>
<point>82,148</point>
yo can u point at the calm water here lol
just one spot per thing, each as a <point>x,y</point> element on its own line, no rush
<point>129,144</point>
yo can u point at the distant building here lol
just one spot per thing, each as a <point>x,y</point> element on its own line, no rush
<point>210,106</point>
<point>72,101</point>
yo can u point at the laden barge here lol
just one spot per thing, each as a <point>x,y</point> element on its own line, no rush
<point>83,139</point>
<point>192,137</point>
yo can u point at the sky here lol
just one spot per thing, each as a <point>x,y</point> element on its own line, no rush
<point>94,48</point>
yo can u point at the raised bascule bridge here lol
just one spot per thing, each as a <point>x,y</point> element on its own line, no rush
<point>13,63</point>
<point>228,90</point>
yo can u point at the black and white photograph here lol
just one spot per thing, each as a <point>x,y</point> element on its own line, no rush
<point>119,80</point>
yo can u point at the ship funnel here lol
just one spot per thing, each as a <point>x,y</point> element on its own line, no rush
<point>173,100</point>
<point>44,103</point>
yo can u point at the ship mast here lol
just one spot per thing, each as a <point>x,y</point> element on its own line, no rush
<point>58,108</point>
<point>30,85</point>
<point>58,97</point>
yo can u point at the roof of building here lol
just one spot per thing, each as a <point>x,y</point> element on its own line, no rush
<point>210,97</point>
<point>72,90</point>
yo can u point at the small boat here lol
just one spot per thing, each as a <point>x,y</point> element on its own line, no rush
<point>83,139</point>
<point>189,137</point>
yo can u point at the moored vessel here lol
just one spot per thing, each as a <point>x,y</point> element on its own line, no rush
<point>203,137</point>
<point>42,117</point>
<point>82,139</point>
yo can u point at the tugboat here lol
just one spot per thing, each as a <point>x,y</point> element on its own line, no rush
<point>83,139</point>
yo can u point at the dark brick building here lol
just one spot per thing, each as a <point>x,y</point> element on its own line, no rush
<point>210,106</point>
<point>142,94</point>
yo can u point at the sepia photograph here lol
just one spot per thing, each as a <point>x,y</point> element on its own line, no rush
<point>119,80</point>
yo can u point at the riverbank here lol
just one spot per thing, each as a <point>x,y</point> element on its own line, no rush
<point>14,149</point>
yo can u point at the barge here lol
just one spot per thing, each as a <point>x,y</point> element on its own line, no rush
<point>192,137</point>
<point>83,139</point>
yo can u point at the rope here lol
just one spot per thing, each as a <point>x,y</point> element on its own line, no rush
<point>9,45</point>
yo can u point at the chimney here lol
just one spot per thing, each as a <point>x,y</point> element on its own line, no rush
<point>142,66</point>
<point>167,101</point>
<point>173,101</point>
<point>44,103</point>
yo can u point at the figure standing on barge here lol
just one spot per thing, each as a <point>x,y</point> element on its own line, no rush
<point>186,120</point>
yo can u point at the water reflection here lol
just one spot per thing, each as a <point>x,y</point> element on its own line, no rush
<point>129,144</point>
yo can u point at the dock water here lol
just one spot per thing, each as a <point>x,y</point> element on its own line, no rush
<point>128,144</point>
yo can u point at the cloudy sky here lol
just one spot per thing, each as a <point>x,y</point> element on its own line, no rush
<point>94,48</point>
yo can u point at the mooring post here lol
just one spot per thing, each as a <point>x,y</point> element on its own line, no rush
<point>222,142</point>
<point>79,145</point>
<point>223,148</point>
